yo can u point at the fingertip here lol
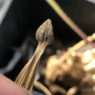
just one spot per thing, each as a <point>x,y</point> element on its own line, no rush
<point>8,87</point>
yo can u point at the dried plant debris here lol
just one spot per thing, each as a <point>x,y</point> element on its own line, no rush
<point>44,35</point>
<point>42,87</point>
<point>72,70</point>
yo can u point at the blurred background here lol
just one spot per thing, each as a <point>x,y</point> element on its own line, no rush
<point>19,20</point>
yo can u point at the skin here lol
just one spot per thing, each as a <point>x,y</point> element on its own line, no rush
<point>8,87</point>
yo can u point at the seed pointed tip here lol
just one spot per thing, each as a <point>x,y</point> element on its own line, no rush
<point>48,20</point>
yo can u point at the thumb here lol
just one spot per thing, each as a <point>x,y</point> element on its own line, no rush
<point>8,87</point>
